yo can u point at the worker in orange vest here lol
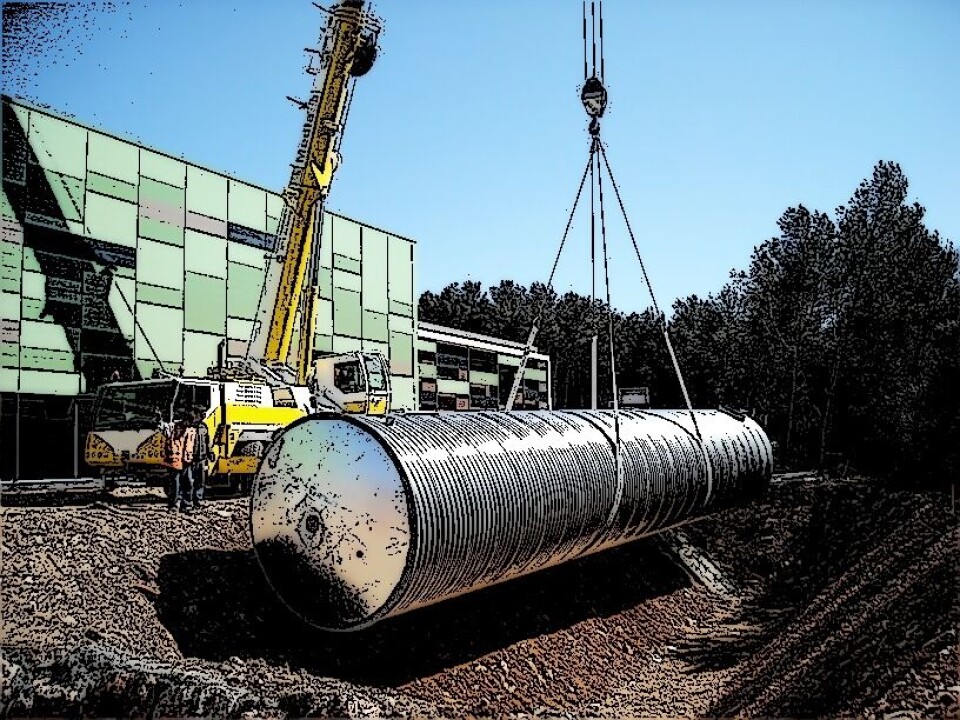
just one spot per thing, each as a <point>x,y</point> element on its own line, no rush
<point>179,451</point>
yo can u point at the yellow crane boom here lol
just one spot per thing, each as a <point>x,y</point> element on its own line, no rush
<point>348,51</point>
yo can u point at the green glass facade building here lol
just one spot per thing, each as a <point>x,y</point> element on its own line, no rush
<point>117,260</point>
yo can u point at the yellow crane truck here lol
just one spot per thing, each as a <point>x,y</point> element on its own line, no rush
<point>247,400</point>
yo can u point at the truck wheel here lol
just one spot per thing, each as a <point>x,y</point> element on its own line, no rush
<point>241,484</point>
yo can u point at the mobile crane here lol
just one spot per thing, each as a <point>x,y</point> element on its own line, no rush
<point>247,401</point>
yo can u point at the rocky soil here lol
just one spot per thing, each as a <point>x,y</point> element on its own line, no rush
<point>848,603</point>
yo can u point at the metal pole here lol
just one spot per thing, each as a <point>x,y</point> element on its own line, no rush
<point>16,465</point>
<point>593,372</point>
<point>76,439</point>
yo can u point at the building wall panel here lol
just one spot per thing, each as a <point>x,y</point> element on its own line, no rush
<point>162,195</point>
<point>122,303</point>
<point>112,157</point>
<point>246,255</point>
<point>456,387</point>
<point>205,254</point>
<point>274,205</point>
<point>345,263</point>
<point>247,206</point>
<point>376,346</point>
<point>147,367</point>
<point>69,193</point>
<point>59,146</point>
<point>165,232</point>
<point>325,283</point>
<point>163,327</point>
<point>273,223</point>
<point>33,285</point>
<point>156,295</point>
<point>111,187</point>
<point>347,319</point>
<point>49,383</point>
<point>199,352</point>
<point>346,238</point>
<point>404,393</point>
<point>160,167</point>
<point>324,317</point>
<point>375,271</point>
<point>45,359</point>
<point>9,379</point>
<point>401,353</point>
<point>9,306</point>
<point>6,209</point>
<point>159,264</point>
<point>206,193</point>
<point>343,344</point>
<point>43,335</point>
<point>401,308</point>
<point>399,323</point>
<point>400,259</point>
<point>323,343</point>
<point>346,281</point>
<point>204,224</point>
<point>205,304</point>
<point>326,242</point>
<point>9,354</point>
<point>10,277</point>
<point>243,290</point>
<point>375,326</point>
<point>239,329</point>
<point>110,219</point>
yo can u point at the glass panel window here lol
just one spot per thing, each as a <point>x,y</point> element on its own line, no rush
<point>132,407</point>
<point>347,377</point>
<point>375,373</point>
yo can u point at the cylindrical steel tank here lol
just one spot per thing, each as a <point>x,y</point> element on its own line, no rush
<point>355,519</point>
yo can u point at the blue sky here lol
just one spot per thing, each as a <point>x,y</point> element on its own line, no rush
<point>468,135</point>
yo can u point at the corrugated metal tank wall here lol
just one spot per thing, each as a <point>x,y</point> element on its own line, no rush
<point>354,520</point>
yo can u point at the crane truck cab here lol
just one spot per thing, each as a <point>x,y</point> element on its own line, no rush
<point>352,383</point>
<point>242,416</point>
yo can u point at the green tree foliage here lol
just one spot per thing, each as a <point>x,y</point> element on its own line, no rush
<point>842,337</point>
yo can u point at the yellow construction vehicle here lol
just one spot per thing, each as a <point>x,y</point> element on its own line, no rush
<point>247,399</point>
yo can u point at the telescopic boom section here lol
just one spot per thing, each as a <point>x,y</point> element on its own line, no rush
<point>347,51</point>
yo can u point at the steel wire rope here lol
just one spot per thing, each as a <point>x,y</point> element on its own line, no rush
<point>585,75</point>
<point>663,323</point>
<point>528,346</point>
<point>618,497</point>
<point>543,302</point>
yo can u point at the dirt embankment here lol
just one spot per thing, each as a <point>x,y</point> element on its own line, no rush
<point>849,603</point>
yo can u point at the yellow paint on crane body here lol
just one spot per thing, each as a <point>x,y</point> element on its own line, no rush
<point>314,184</point>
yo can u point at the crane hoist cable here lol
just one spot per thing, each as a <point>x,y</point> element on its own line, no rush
<point>594,98</point>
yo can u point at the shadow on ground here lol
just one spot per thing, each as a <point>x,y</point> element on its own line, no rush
<point>216,605</point>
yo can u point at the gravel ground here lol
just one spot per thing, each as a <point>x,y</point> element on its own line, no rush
<point>849,606</point>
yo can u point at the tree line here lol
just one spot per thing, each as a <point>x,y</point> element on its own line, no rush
<point>842,337</point>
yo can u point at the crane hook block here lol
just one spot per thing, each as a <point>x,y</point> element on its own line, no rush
<point>594,97</point>
<point>364,56</point>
